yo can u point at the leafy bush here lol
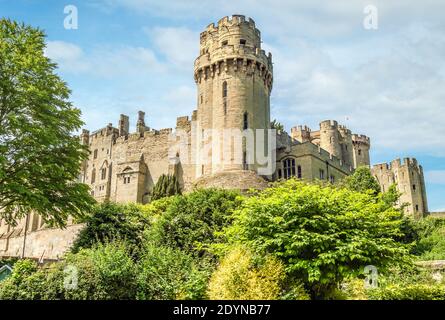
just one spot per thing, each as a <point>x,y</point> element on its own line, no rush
<point>321,233</point>
<point>193,221</point>
<point>412,291</point>
<point>111,221</point>
<point>166,273</point>
<point>106,271</point>
<point>362,181</point>
<point>237,278</point>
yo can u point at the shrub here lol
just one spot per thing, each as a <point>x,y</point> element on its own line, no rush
<point>109,222</point>
<point>166,273</point>
<point>237,278</point>
<point>321,233</point>
<point>193,221</point>
<point>362,181</point>
<point>106,271</point>
<point>412,291</point>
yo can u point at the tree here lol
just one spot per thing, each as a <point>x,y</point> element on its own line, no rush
<point>321,233</point>
<point>40,159</point>
<point>166,186</point>
<point>193,221</point>
<point>362,181</point>
<point>277,125</point>
<point>110,222</point>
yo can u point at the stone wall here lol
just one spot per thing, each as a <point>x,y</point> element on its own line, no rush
<point>45,244</point>
<point>409,179</point>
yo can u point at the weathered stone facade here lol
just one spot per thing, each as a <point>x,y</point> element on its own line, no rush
<point>234,78</point>
<point>408,177</point>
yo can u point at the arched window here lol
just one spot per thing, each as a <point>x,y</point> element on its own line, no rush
<point>93,176</point>
<point>224,89</point>
<point>288,168</point>
<point>245,121</point>
<point>103,173</point>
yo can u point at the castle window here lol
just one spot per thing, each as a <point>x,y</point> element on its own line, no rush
<point>299,175</point>
<point>242,42</point>
<point>95,154</point>
<point>245,167</point>
<point>103,173</point>
<point>245,121</point>
<point>288,168</point>
<point>93,176</point>
<point>224,89</point>
<point>224,43</point>
<point>417,207</point>
<point>321,172</point>
<point>126,180</point>
<point>202,99</point>
<point>414,187</point>
<point>359,152</point>
<point>332,179</point>
<point>225,107</point>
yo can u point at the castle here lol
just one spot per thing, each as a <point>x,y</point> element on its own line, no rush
<point>229,141</point>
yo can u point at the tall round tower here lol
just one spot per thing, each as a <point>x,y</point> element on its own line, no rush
<point>329,138</point>
<point>361,144</point>
<point>234,80</point>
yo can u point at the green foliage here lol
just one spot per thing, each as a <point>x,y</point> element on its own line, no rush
<point>166,273</point>
<point>167,185</point>
<point>193,221</point>
<point>408,284</point>
<point>237,278</point>
<point>362,181</point>
<point>111,221</point>
<point>104,272</point>
<point>321,233</point>
<point>277,125</point>
<point>40,159</point>
<point>413,291</point>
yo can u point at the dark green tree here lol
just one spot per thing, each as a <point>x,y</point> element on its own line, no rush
<point>39,156</point>
<point>167,185</point>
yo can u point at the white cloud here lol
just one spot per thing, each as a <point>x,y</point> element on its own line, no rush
<point>103,61</point>
<point>178,45</point>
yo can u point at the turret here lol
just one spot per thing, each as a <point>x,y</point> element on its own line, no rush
<point>330,138</point>
<point>361,145</point>
<point>301,133</point>
<point>234,80</point>
<point>124,125</point>
<point>347,148</point>
<point>140,125</point>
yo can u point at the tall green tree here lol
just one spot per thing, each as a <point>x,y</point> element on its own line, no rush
<point>39,156</point>
<point>167,185</point>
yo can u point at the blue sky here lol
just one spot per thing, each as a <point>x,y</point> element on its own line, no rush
<point>130,55</point>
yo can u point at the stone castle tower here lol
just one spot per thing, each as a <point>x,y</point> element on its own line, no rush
<point>409,180</point>
<point>351,149</point>
<point>234,81</point>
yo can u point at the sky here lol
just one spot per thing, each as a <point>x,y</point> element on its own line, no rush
<point>386,82</point>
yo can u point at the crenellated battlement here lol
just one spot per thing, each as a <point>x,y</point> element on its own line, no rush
<point>234,20</point>
<point>329,124</point>
<point>361,139</point>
